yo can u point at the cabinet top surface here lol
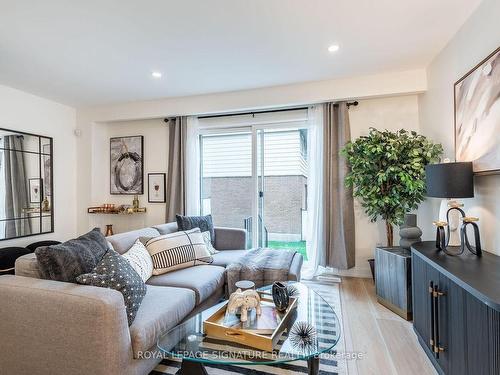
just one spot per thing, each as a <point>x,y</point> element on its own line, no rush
<point>480,276</point>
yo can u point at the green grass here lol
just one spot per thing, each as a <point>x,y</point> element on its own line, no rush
<point>299,246</point>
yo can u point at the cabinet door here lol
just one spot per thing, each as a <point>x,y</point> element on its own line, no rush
<point>483,337</point>
<point>455,318</point>
<point>421,278</point>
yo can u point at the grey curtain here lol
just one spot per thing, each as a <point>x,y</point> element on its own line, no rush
<point>16,191</point>
<point>176,173</point>
<point>338,201</point>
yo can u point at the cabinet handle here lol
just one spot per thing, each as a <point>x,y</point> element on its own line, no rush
<point>431,304</point>
<point>436,320</point>
<point>436,294</point>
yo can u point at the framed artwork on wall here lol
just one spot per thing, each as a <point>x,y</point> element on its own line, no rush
<point>127,164</point>
<point>35,187</point>
<point>477,116</point>
<point>156,188</point>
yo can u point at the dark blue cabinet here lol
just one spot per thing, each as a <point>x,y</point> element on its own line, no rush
<point>457,323</point>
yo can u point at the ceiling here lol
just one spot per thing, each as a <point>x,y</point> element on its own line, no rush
<point>96,52</point>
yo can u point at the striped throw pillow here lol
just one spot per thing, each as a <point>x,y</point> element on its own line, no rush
<point>178,250</point>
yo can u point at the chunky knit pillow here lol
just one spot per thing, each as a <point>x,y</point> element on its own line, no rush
<point>114,272</point>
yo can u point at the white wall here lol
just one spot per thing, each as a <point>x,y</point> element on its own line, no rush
<point>25,112</point>
<point>393,113</point>
<point>386,84</point>
<point>477,38</point>
<point>155,134</point>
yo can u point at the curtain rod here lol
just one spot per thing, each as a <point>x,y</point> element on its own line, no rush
<point>253,113</point>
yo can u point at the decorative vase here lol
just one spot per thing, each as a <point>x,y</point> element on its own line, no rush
<point>409,232</point>
<point>280,296</point>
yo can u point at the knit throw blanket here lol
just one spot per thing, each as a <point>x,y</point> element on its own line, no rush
<point>262,266</point>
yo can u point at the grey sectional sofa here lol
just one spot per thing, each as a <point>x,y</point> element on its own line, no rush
<point>51,327</point>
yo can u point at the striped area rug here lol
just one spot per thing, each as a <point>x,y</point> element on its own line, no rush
<point>328,364</point>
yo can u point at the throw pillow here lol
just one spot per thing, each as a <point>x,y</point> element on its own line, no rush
<point>140,260</point>
<point>178,250</point>
<point>114,272</point>
<point>208,241</point>
<point>203,222</point>
<point>66,261</point>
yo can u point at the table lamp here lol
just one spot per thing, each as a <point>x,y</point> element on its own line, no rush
<point>450,181</point>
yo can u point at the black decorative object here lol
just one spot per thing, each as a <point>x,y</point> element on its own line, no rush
<point>440,235</point>
<point>303,336</point>
<point>449,180</point>
<point>409,232</point>
<point>8,256</point>
<point>280,296</point>
<point>465,240</point>
<point>292,290</point>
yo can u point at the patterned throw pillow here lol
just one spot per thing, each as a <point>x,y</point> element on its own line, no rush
<point>203,222</point>
<point>140,260</point>
<point>208,242</point>
<point>114,272</point>
<point>178,250</point>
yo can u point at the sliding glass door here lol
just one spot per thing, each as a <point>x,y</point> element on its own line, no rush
<point>226,179</point>
<point>282,188</point>
<point>255,177</point>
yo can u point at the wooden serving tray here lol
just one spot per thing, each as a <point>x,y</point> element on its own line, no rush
<point>212,328</point>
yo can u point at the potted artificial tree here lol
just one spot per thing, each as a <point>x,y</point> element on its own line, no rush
<point>388,173</point>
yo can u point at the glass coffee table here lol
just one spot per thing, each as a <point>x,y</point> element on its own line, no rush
<point>188,342</point>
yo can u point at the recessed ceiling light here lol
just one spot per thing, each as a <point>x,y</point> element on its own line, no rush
<point>333,48</point>
<point>156,74</point>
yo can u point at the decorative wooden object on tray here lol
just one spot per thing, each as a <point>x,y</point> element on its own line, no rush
<point>244,301</point>
<point>260,332</point>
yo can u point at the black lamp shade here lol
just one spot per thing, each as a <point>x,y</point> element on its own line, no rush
<point>450,180</point>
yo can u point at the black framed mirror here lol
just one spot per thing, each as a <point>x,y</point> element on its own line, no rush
<point>26,184</point>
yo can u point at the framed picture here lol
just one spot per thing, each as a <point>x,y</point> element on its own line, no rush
<point>156,188</point>
<point>46,168</point>
<point>127,165</point>
<point>477,116</point>
<point>35,187</point>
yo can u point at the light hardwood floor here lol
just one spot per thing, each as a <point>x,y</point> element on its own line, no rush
<point>388,342</point>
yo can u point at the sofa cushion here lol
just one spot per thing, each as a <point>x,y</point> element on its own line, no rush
<point>121,242</point>
<point>203,280</point>
<point>203,222</point>
<point>115,272</point>
<point>27,265</point>
<point>65,262</point>
<point>173,251</point>
<point>226,257</point>
<point>162,309</point>
<point>166,228</point>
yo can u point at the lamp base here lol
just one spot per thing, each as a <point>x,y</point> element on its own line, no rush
<point>453,220</point>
